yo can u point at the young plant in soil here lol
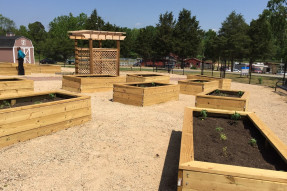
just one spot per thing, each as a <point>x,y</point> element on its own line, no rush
<point>219,129</point>
<point>203,114</point>
<point>223,137</point>
<point>236,116</point>
<point>224,151</point>
<point>37,102</point>
<point>5,104</point>
<point>240,93</point>
<point>253,142</point>
<point>219,93</point>
<point>52,96</point>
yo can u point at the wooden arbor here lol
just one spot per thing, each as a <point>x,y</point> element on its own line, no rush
<point>97,60</point>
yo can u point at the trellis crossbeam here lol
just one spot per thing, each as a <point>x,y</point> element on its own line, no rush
<point>96,35</point>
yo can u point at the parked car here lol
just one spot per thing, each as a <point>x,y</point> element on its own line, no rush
<point>48,61</point>
<point>70,61</point>
<point>236,70</point>
<point>257,70</point>
<point>137,64</point>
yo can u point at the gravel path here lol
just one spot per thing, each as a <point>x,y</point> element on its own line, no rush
<point>123,147</point>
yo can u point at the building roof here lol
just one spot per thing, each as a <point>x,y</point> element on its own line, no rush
<point>8,41</point>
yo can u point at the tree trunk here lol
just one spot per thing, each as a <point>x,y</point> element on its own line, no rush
<point>232,64</point>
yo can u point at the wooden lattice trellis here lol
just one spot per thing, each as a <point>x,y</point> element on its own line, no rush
<point>105,61</point>
<point>97,60</point>
<point>83,61</point>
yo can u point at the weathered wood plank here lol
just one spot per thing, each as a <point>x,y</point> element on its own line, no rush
<point>27,135</point>
<point>206,182</point>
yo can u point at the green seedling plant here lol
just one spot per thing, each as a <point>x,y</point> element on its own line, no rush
<point>217,91</point>
<point>52,96</point>
<point>5,104</point>
<point>236,116</point>
<point>153,84</point>
<point>203,114</point>
<point>240,93</point>
<point>219,129</point>
<point>37,102</point>
<point>223,137</point>
<point>224,151</point>
<point>253,142</point>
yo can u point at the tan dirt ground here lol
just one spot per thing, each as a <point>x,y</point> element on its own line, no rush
<point>123,147</point>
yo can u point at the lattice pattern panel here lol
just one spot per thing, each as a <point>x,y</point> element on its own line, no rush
<point>105,61</point>
<point>84,61</point>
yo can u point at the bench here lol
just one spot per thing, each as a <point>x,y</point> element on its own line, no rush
<point>283,86</point>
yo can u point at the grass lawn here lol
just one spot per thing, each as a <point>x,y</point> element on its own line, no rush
<point>266,80</point>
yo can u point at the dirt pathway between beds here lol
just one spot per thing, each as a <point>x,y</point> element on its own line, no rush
<point>123,147</point>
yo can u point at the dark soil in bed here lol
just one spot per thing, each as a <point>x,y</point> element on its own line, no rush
<point>226,93</point>
<point>145,85</point>
<point>100,76</point>
<point>8,80</point>
<point>32,100</point>
<point>236,149</point>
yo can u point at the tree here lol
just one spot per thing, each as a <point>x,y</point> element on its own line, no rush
<point>261,45</point>
<point>128,46</point>
<point>164,35</point>
<point>37,34</point>
<point>278,20</point>
<point>23,31</point>
<point>187,35</point>
<point>58,45</point>
<point>234,38</point>
<point>260,33</point>
<point>210,45</point>
<point>6,25</point>
<point>94,22</point>
<point>145,43</point>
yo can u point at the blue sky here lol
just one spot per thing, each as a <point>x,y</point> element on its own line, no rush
<point>128,13</point>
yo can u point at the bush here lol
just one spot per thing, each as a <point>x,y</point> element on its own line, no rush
<point>260,80</point>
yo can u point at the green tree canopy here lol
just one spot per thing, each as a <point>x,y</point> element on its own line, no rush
<point>163,44</point>
<point>234,38</point>
<point>6,25</point>
<point>145,42</point>
<point>187,35</point>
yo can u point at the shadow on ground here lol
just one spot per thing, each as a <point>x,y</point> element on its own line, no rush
<point>170,169</point>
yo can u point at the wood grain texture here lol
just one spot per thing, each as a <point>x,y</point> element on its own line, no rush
<point>26,122</point>
<point>144,96</point>
<point>90,83</point>
<point>204,100</point>
<point>199,175</point>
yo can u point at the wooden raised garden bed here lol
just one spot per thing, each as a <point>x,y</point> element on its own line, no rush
<point>143,94</point>
<point>15,86</point>
<point>223,99</point>
<point>10,69</point>
<point>148,78</point>
<point>25,117</point>
<point>45,68</point>
<point>224,83</point>
<point>194,77</point>
<point>195,86</point>
<point>90,82</point>
<point>250,157</point>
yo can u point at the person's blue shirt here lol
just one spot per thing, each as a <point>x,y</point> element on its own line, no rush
<point>21,54</point>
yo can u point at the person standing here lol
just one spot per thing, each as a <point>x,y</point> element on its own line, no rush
<point>20,59</point>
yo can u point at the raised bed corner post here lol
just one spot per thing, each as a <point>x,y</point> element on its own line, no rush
<point>91,56</point>
<point>76,57</point>
<point>118,57</point>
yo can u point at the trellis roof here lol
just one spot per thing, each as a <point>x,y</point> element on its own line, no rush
<point>96,35</point>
